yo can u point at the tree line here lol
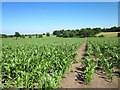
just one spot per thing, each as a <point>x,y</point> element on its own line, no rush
<point>84,32</point>
<point>17,34</point>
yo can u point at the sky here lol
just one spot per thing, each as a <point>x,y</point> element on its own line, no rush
<point>60,0</point>
<point>42,17</point>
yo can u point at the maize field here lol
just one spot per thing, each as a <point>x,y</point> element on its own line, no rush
<point>41,62</point>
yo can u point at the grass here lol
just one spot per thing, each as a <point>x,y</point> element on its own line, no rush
<point>108,34</point>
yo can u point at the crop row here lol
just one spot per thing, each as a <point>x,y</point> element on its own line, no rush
<point>36,65</point>
<point>104,54</point>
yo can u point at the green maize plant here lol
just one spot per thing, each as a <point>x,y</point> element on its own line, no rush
<point>32,63</point>
<point>89,64</point>
<point>107,54</point>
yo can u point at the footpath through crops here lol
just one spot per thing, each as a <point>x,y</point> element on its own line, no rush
<point>36,62</point>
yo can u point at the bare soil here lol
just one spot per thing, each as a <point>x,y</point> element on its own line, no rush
<point>75,78</point>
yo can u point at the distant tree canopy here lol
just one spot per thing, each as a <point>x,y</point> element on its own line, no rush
<point>43,33</point>
<point>101,35</point>
<point>112,29</point>
<point>23,36</point>
<point>17,34</point>
<point>47,34</point>
<point>118,35</point>
<point>11,36</point>
<point>40,36</point>
<point>30,36</point>
<point>6,36</point>
<point>3,36</point>
<point>84,32</point>
<point>36,35</point>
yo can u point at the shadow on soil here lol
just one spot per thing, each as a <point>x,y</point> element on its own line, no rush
<point>80,71</point>
<point>99,71</point>
<point>80,75</point>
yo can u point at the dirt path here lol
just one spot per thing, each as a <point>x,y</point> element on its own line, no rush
<point>74,79</point>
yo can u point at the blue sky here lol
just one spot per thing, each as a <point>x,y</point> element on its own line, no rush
<point>60,0</point>
<point>42,17</point>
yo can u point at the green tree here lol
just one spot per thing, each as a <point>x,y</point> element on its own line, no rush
<point>36,35</point>
<point>30,36</point>
<point>83,33</point>
<point>72,34</point>
<point>47,34</point>
<point>3,36</point>
<point>11,36</point>
<point>101,35</point>
<point>17,34</point>
<point>65,34</point>
<point>40,36</point>
<point>43,33</point>
<point>118,35</point>
<point>23,36</point>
